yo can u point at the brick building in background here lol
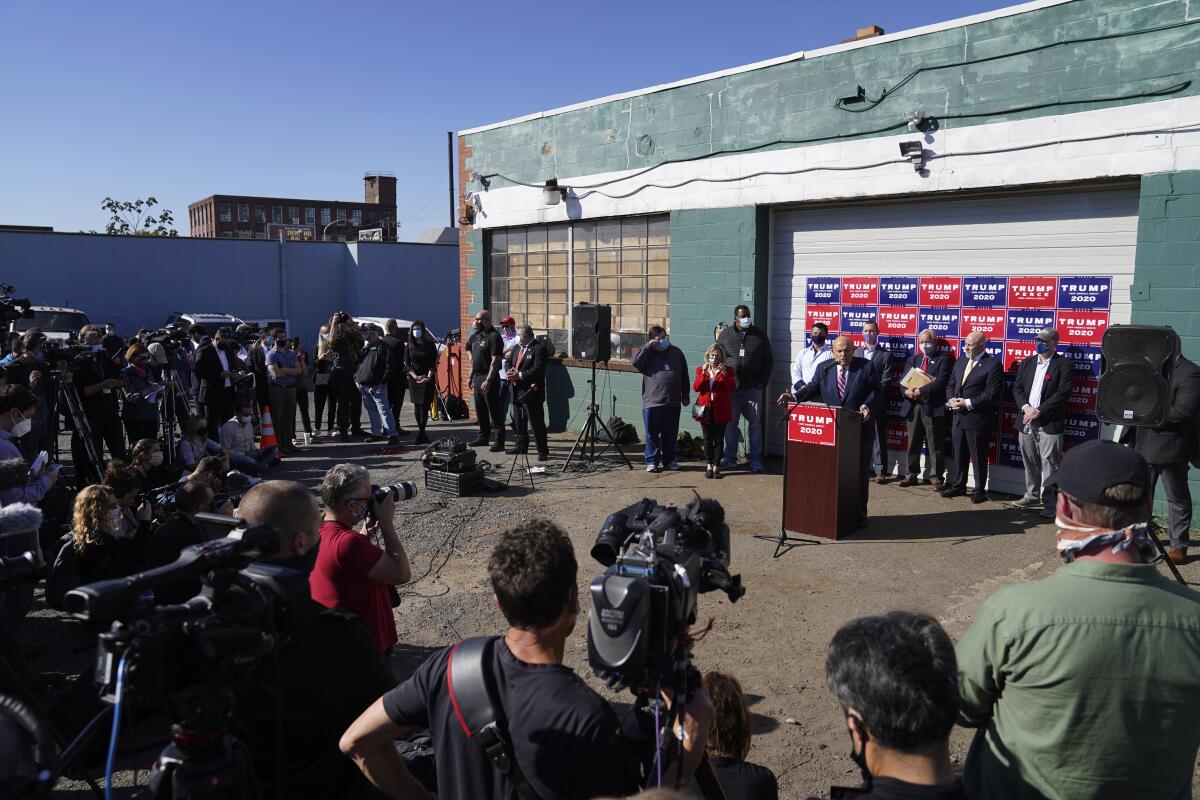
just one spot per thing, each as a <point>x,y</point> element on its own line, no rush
<point>227,216</point>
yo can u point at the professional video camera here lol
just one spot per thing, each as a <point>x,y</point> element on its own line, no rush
<point>188,658</point>
<point>247,334</point>
<point>659,559</point>
<point>13,308</point>
<point>172,337</point>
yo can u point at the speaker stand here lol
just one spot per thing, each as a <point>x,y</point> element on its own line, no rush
<point>1153,528</point>
<point>585,445</point>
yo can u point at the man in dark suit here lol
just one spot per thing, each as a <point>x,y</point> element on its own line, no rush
<point>98,382</point>
<point>924,411</point>
<point>1043,384</point>
<point>1169,447</point>
<point>881,359</point>
<point>527,377</point>
<point>217,369</point>
<point>976,386</point>
<point>851,384</point>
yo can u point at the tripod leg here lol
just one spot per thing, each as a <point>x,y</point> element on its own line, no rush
<point>613,441</point>
<point>1162,551</point>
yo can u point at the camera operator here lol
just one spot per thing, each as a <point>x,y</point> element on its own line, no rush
<point>237,439</point>
<point>140,394</point>
<point>351,572</point>
<point>565,739</point>
<point>342,357</point>
<point>12,349</point>
<point>32,371</point>
<point>17,406</point>
<point>217,368</point>
<point>323,675</point>
<point>179,531</point>
<point>210,472</point>
<point>98,381</point>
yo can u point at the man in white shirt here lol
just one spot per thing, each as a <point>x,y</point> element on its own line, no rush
<point>881,359</point>
<point>1044,382</point>
<point>811,357</point>
<point>508,335</point>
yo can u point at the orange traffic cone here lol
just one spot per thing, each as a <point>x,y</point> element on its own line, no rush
<point>267,437</point>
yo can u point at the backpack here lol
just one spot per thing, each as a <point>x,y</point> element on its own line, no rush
<point>64,573</point>
<point>622,432</point>
<point>456,407</point>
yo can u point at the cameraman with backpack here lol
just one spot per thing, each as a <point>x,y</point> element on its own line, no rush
<point>563,739</point>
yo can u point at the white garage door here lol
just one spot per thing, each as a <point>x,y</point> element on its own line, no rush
<point>1014,237</point>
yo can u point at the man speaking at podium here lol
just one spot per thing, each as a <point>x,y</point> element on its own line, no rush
<point>849,383</point>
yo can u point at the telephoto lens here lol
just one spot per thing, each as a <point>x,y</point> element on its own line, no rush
<point>405,490</point>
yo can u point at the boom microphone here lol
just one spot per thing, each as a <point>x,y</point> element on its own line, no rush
<point>20,552</point>
<point>14,472</point>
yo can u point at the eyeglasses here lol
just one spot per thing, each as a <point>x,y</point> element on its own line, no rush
<point>358,499</point>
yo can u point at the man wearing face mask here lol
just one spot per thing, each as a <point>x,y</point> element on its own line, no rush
<point>1043,384</point>
<point>237,439</point>
<point>895,678</point>
<point>17,405</point>
<point>487,348</point>
<point>664,392</point>
<point>748,353</point>
<point>1084,684</point>
<point>98,381</point>
<point>351,572</point>
<point>510,337</point>
<point>881,359</point>
<point>924,412</point>
<point>217,368</point>
<point>976,385</point>
<point>527,377</point>
<point>811,357</point>
<point>283,369</point>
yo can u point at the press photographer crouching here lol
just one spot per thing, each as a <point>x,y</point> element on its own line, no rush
<point>328,671</point>
<point>179,531</point>
<point>351,572</point>
<point>237,439</point>
<point>564,739</point>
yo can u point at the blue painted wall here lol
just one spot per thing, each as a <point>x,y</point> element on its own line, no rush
<point>137,281</point>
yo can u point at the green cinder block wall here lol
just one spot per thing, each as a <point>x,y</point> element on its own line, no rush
<point>1166,278</point>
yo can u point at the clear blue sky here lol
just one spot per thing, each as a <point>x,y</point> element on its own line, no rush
<point>181,100</point>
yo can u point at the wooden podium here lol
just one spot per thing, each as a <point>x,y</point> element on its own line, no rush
<point>821,466</point>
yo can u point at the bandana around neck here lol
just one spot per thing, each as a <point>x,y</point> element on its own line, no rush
<point>1087,537</point>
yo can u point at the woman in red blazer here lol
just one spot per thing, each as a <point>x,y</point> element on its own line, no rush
<point>714,385</point>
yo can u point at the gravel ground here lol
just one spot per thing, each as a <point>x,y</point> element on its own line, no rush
<point>921,552</point>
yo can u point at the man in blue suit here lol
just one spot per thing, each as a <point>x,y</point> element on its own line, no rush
<point>849,383</point>
<point>976,387</point>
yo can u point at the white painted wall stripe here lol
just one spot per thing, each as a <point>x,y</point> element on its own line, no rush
<point>1113,142</point>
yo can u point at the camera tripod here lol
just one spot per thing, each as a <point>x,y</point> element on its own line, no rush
<point>170,398</point>
<point>585,445</point>
<point>68,396</point>
<point>203,760</point>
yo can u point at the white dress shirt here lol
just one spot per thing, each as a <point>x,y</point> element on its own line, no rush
<point>806,365</point>
<point>1039,380</point>
<point>224,364</point>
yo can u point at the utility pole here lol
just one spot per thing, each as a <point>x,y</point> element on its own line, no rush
<point>450,175</point>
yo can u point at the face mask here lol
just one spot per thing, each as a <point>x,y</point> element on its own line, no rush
<point>526,342</point>
<point>96,348</point>
<point>928,348</point>
<point>860,761</point>
<point>664,343</point>
<point>819,340</point>
<point>712,359</point>
<point>1042,347</point>
<point>157,458</point>
<point>114,516</point>
<point>22,427</point>
<point>270,341</point>
<point>416,332</point>
<point>743,322</point>
<point>244,419</point>
<point>325,336</point>
<point>870,338</point>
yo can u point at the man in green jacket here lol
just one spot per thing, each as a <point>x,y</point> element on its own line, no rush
<point>1085,684</point>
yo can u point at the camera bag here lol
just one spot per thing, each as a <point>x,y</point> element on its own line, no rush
<point>473,696</point>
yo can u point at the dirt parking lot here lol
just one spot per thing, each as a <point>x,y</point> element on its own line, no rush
<point>920,552</point>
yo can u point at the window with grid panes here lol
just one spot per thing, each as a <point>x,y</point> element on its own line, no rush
<point>226,212</point>
<point>243,212</point>
<point>260,215</point>
<point>537,273</point>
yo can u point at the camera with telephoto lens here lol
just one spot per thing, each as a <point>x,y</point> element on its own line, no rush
<point>172,338</point>
<point>13,308</point>
<point>405,490</point>
<point>659,560</point>
<point>189,658</point>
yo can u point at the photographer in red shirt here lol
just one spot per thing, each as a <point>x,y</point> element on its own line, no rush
<point>351,572</point>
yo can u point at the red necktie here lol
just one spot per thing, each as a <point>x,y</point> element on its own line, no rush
<point>925,366</point>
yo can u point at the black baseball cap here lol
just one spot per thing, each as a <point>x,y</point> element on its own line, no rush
<point>1089,470</point>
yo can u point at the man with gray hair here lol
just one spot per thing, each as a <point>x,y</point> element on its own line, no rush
<point>1044,382</point>
<point>924,411</point>
<point>976,388</point>
<point>351,571</point>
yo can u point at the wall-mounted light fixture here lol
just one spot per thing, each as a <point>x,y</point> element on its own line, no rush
<point>915,153</point>
<point>914,118</point>
<point>552,193</point>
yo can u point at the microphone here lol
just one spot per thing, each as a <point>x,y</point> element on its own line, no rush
<point>14,473</point>
<point>20,551</point>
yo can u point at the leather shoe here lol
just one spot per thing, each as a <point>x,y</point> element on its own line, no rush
<point>481,441</point>
<point>907,482</point>
<point>978,497</point>
<point>498,447</point>
<point>543,457</point>
<point>937,485</point>
<point>953,492</point>
<point>881,479</point>
<point>1178,555</point>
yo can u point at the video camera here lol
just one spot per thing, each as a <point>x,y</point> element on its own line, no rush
<point>13,308</point>
<point>172,337</point>
<point>659,559</point>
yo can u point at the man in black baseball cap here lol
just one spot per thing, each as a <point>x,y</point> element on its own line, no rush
<point>1084,684</point>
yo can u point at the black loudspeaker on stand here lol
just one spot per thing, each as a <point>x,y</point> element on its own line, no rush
<point>1136,362</point>
<point>591,326</point>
